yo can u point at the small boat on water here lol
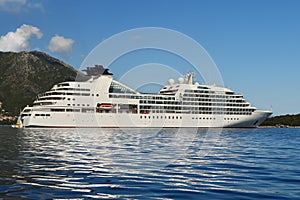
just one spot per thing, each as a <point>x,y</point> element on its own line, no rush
<point>17,125</point>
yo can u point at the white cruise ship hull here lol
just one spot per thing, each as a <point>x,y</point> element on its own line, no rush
<point>113,120</point>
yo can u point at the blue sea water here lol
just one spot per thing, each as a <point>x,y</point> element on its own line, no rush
<point>149,164</point>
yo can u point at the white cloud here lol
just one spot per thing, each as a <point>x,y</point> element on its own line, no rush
<point>61,45</point>
<point>17,6</point>
<point>19,40</point>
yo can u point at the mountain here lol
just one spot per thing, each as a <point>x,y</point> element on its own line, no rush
<point>24,75</point>
<point>283,120</point>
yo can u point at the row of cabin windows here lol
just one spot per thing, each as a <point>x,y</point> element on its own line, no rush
<point>72,110</point>
<point>208,118</point>
<point>74,89</point>
<point>231,119</point>
<point>179,117</point>
<point>197,102</point>
<point>213,96</point>
<point>198,112</point>
<point>44,96</point>
<point>160,102</point>
<point>213,118</point>
<point>168,91</point>
<point>143,107</point>
<point>65,85</point>
<point>79,105</point>
<point>217,104</point>
<point>43,103</point>
<point>221,113</point>
<point>64,93</point>
<point>68,94</point>
<point>118,96</point>
<point>42,115</point>
<point>194,103</point>
<point>52,98</point>
<point>212,99</point>
<point>199,91</point>
<point>160,117</point>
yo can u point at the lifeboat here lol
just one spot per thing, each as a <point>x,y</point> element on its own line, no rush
<point>105,106</point>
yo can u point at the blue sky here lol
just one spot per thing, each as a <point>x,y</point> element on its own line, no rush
<point>255,44</point>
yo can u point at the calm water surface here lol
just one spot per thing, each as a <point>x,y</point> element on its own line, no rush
<point>149,164</point>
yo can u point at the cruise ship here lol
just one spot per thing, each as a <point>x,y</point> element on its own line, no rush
<point>102,102</point>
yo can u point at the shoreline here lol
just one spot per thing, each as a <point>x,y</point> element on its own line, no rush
<point>282,126</point>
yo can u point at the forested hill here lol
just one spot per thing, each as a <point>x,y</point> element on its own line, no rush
<point>285,120</point>
<point>24,75</point>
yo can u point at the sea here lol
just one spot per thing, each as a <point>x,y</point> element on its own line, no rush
<point>261,163</point>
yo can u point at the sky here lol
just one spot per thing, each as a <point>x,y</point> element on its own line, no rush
<point>254,44</point>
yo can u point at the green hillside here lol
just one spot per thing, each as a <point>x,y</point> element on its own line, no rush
<point>287,120</point>
<point>24,75</point>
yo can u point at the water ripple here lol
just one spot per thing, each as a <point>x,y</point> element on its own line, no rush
<point>136,164</point>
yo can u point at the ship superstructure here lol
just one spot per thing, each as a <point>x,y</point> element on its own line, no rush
<point>104,102</point>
